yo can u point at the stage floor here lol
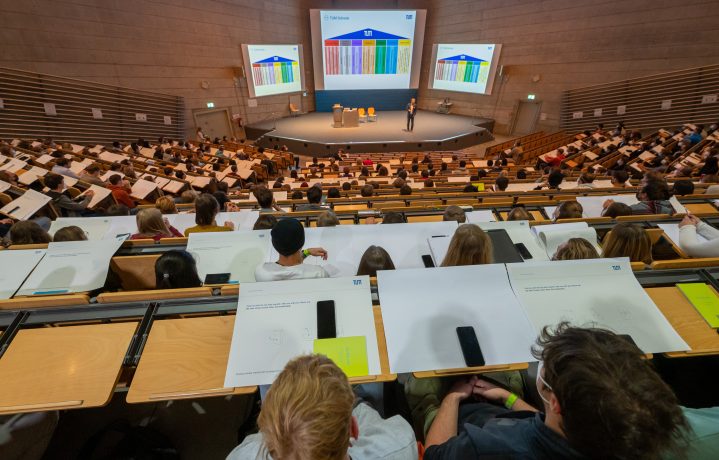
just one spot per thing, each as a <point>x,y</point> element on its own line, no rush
<point>313,133</point>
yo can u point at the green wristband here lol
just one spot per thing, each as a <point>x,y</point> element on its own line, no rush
<point>509,403</point>
<point>305,253</point>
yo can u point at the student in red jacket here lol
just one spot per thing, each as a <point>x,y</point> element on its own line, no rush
<point>120,191</point>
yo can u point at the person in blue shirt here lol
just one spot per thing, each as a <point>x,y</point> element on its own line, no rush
<point>695,136</point>
<point>601,399</point>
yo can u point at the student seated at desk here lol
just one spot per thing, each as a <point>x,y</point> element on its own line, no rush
<point>554,180</point>
<point>393,218</point>
<point>28,232</point>
<point>176,270</point>
<point>617,209</point>
<point>519,213</point>
<point>454,213</point>
<point>166,205</point>
<point>288,237</point>
<point>266,200</point>
<point>470,245</point>
<point>69,233</point>
<point>265,222</point>
<point>91,175</point>
<point>309,413</point>
<point>569,209</point>
<point>653,199</point>
<point>206,209</point>
<point>501,183</point>
<point>62,166</point>
<point>689,228</point>
<point>628,240</point>
<point>314,200</point>
<point>601,399</point>
<point>374,258</point>
<point>152,226</point>
<point>327,219</point>
<point>683,187</point>
<point>121,191</point>
<point>574,249</point>
<point>67,206</point>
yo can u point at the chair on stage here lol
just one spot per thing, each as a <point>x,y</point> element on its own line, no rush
<point>371,115</point>
<point>294,111</point>
<point>362,115</point>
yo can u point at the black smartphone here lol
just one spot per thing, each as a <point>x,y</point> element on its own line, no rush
<point>217,278</point>
<point>428,262</point>
<point>326,325</point>
<point>523,251</point>
<point>470,346</point>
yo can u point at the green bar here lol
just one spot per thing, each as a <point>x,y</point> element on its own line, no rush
<point>468,71</point>
<point>380,56</point>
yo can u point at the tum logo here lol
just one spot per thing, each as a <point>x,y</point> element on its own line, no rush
<point>616,267</point>
<point>357,282</point>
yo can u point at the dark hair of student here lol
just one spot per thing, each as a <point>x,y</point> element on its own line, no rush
<point>206,209</point>
<point>613,403</point>
<point>405,190</point>
<point>333,193</point>
<point>52,181</point>
<point>501,183</point>
<point>296,195</point>
<point>393,218</point>
<point>117,210</point>
<point>115,179</point>
<point>314,195</point>
<point>367,190</point>
<point>683,187</point>
<point>176,269</point>
<point>521,174</point>
<point>374,258</point>
<point>617,209</point>
<point>28,232</point>
<point>70,233</point>
<point>265,222</point>
<point>555,178</point>
<point>264,197</point>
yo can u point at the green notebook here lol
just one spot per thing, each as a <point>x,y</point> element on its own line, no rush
<point>349,353</point>
<point>704,300</point>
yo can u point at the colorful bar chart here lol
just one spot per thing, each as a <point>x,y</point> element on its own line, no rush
<point>462,68</point>
<point>367,51</point>
<point>274,70</point>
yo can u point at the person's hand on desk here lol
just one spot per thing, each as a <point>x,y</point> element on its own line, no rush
<point>232,207</point>
<point>229,224</point>
<point>689,220</point>
<point>6,221</point>
<point>317,252</point>
<point>89,193</point>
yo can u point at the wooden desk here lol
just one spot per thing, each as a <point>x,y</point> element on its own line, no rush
<point>69,367</point>
<point>187,358</point>
<point>702,339</point>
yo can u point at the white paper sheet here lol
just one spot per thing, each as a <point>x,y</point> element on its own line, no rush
<point>345,244</point>
<point>73,266</point>
<point>113,157</point>
<point>237,253</point>
<point>277,321</point>
<point>100,194</point>
<point>106,177</point>
<point>23,207</point>
<point>4,186</point>
<point>79,166</point>
<point>597,292</point>
<point>553,235</point>
<point>15,266</point>
<point>31,175</point>
<point>672,232</point>
<point>480,215</point>
<point>95,228</point>
<point>141,188</point>
<point>13,166</point>
<point>421,310</point>
<point>593,205</point>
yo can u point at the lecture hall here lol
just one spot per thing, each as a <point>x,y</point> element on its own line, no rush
<point>377,229</point>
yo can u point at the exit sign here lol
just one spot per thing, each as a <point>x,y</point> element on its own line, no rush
<point>531,97</point>
<point>210,105</point>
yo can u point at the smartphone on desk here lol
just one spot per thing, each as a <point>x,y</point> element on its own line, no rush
<point>427,260</point>
<point>326,322</point>
<point>470,346</point>
<point>217,278</point>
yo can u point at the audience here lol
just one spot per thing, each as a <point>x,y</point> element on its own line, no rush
<point>375,258</point>
<point>265,222</point>
<point>28,232</point>
<point>91,175</point>
<point>689,228</point>
<point>327,219</point>
<point>393,218</point>
<point>176,269</point>
<point>69,233</point>
<point>206,210</point>
<point>574,249</point>
<point>120,191</point>
<point>151,225</point>
<point>470,245</point>
<point>617,209</point>
<point>61,199</point>
<point>288,237</point>
<point>569,209</point>
<point>166,205</point>
<point>519,213</point>
<point>314,200</point>
<point>601,399</point>
<point>628,240</point>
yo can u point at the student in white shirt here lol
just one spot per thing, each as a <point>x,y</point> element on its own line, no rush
<point>62,167</point>
<point>308,413</point>
<point>689,228</point>
<point>288,237</point>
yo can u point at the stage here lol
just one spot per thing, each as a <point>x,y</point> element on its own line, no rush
<point>313,134</point>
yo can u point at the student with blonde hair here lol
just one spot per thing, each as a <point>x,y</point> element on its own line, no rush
<point>454,213</point>
<point>166,205</point>
<point>309,413</point>
<point>151,225</point>
<point>470,245</point>
<point>628,240</point>
<point>575,249</point>
<point>519,213</point>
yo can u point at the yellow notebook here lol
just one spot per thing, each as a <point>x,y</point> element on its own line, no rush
<point>704,300</point>
<point>349,353</point>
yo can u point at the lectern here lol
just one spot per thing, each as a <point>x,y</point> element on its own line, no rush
<point>337,115</point>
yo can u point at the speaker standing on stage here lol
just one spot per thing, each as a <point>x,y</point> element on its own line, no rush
<point>411,112</point>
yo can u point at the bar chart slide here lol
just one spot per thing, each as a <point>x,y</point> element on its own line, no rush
<point>367,52</point>
<point>274,70</point>
<point>462,68</point>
